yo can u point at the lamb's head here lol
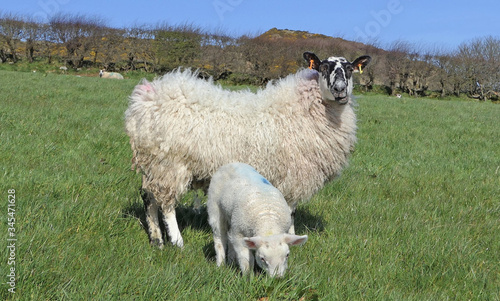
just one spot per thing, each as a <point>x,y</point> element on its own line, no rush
<point>335,78</point>
<point>271,252</point>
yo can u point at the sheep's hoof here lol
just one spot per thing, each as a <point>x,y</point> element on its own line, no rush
<point>178,243</point>
<point>157,243</point>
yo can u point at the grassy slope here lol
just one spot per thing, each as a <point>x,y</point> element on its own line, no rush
<point>415,216</point>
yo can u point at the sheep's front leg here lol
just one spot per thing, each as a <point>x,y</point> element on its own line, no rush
<point>172,227</point>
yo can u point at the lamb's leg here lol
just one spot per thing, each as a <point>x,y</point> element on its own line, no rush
<point>231,256</point>
<point>220,253</point>
<point>219,227</point>
<point>245,257</point>
<point>172,227</point>
<point>153,222</point>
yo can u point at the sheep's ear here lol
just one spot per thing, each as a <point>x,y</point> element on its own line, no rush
<point>295,240</point>
<point>360,63</point>
<point>252,243</point>
<point>313,60</point>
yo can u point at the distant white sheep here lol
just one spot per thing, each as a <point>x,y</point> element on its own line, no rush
<point>247,213</point>
<point>298,132</point>
<point>114,75</point>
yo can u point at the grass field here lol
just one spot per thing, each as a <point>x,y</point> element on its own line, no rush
<point>416,215</point>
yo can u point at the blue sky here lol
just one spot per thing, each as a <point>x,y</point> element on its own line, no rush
<point>428,23</point>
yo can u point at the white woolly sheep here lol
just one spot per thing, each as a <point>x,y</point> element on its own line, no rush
<point>298,132</point>
<point>247,213</point>
<point>114,75</point>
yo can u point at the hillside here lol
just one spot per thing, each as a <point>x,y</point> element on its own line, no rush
<point>277,35</point>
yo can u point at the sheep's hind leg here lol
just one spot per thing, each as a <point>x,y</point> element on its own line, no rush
<point>172,227</point>
<point>153,222</point>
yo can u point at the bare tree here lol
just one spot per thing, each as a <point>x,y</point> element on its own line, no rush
<point>47,41</point>
<point>443,63</point>
<point>77,33</point>
<point>11,29</point>
<point>397,66</point>
<point>110,47</point>
<point>31,34</point>
<point>485,53</point>
<point>139,47</point>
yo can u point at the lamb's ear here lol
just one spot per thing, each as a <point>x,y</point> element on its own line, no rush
<point>295,240</point>
<point>252,243</point>
<point>360,63</point>
<point>313,60</point>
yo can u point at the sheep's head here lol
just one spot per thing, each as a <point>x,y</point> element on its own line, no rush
<point>336,75</point>
<point>271,252</point>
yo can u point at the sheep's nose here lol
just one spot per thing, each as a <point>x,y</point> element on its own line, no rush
<point>339,86</point>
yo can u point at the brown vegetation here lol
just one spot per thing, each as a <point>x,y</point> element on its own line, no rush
<point>78,41</point>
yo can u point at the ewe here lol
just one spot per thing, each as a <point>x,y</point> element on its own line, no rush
<point>247,213</point>
<point>298,132</point>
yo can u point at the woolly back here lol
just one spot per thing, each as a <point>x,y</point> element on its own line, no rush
<point>184,87</point>
<point>183,128</point>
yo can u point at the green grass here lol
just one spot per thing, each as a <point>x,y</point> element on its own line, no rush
<point>415,216</point>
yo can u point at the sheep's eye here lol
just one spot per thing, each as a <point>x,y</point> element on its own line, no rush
<point>263,260</point>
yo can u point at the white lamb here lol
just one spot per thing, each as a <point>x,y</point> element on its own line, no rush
<point>247,213</point>
<point>298,132</point>
<point>114,75</point>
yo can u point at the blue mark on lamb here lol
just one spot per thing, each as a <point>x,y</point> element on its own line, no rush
<point>265,181</point>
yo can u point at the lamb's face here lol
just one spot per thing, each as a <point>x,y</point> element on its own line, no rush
<point>272,256</point>
<point>271,252</point>
<point>335,78</point>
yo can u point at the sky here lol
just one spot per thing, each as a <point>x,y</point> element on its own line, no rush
<point>430,24</point>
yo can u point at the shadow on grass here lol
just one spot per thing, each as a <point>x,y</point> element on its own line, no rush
<point>305,221</point>
<point>188,216</point>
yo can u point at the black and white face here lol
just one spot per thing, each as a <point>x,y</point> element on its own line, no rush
<point>335,78</point>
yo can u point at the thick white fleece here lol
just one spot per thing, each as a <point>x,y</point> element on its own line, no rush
<point>183,128</point>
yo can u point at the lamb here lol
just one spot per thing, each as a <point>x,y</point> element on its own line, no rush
<point>247,213</point>
<point>114,75</point>
<point>298,132</point>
